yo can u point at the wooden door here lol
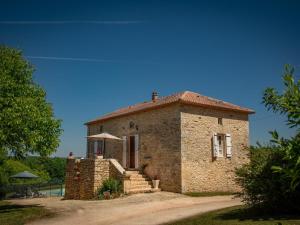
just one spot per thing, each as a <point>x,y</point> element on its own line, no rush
<point>132,152</point>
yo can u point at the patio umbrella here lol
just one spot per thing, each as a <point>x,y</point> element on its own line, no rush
<point>103,136</point>
<point>24,175</point>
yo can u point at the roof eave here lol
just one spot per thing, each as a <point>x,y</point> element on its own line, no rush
<point>245,111</point>
<point>128,113</point>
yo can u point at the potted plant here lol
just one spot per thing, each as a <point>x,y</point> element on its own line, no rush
<point>155,182</point>
<point>106,194</point>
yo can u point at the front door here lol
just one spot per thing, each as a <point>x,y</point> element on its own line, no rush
<point>132,152</point>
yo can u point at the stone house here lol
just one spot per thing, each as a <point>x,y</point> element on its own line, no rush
<point>191,142</point>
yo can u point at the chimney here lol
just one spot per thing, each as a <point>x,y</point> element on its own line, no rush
<point>154,95</point>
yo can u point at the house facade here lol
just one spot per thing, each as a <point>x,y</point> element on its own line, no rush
<point>191,142</point>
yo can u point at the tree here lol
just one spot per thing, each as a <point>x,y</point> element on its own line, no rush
<point>289,102</point>
<point>272,178</point>
<point>27,122</point>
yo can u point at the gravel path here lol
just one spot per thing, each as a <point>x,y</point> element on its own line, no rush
<point>139,209</point>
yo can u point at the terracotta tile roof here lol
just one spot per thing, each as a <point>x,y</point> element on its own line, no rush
<point>186,97</point>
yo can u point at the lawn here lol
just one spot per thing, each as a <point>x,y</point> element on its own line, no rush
<point>11,214</point>
<point>239,215</point>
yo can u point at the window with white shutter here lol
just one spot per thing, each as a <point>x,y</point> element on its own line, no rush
<point>221,145</point>
<point>228,146</point>
<point>215,145</point>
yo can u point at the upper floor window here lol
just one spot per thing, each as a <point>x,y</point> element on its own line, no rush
<point>220,121</point>
<point>100,128</point>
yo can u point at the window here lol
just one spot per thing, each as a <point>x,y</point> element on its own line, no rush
<point>98,147</point>
<point>220,121</point>
<point>222,145</point>
<point>100,129</point>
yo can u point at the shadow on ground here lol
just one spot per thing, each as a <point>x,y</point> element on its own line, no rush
<point>255,215</point>
<point>12,207</point>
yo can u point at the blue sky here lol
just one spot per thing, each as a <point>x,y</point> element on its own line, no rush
<point>93,57</point>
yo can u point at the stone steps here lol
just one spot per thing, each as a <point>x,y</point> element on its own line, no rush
<point>139,179</point>
<point>139,183</point>
<point>139,190</point>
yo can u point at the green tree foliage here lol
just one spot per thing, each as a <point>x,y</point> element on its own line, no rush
<point>54,167</point>
<point>287,103</point>
<point>27,122</point>
<point>272,178</point>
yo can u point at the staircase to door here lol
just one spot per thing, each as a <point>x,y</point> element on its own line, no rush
<point>139,183</point>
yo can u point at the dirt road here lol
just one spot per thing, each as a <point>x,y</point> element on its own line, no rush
<point>139,209</point>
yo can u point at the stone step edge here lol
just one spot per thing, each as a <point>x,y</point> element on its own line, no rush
<point>151,190</point>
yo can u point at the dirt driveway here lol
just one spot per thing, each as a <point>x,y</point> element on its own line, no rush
<point>139,209</point>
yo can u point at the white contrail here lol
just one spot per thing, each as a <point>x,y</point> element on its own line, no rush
<point>117,22</point>
<point>87,59</point>
<point>70,59</point>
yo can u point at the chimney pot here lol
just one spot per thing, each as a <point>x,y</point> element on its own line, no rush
<point>154,95</point>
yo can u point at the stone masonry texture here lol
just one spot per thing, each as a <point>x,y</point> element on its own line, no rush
<point>175,142</point>
<point>200,171</point>
<point>159,143</point>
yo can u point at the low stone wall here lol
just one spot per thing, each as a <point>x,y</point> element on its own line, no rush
<point>85,176</point>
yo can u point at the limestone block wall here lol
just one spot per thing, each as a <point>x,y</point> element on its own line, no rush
<point>200,171</point>
<point>84,177</point>
<point>159,143</point>
<point>71,179</point>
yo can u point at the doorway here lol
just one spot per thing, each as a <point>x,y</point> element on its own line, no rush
<point>132,152</point>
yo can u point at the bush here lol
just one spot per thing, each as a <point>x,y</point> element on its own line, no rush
<point>272,178</point>
<point>262,185</point>
<point>112,185</point>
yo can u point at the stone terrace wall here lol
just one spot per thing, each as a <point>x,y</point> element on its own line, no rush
<point>71,180</point>
<point>85,176</point>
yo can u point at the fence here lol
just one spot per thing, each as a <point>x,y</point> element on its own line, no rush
<point>49,189</point>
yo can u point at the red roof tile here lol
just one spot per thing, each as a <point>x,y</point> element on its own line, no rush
<point>186,97</point>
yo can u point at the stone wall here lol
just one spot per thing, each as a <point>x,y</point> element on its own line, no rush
<point>159,142</point>
<point>200,171</point>
<point>71,179</point>
<point>85,176</point>
<point>175,142</point>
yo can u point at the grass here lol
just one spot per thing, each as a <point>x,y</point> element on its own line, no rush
<point>11,214</point>
<point>239,215</point>
<point>207,194</point>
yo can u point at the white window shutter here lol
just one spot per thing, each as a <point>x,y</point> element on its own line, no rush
<point>136,147</point>
<point>228,145</point>
<point>215,145</point>
<point>124,151</point>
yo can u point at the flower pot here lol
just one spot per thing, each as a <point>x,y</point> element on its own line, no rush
<point>155,184</point>
<point>106,194</point>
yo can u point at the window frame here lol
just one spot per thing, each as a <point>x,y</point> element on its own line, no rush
<point>221,146</point>
<point>220,121</point>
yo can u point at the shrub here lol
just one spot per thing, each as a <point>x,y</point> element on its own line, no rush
<point>262,186</point>
<point>112,185</point>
